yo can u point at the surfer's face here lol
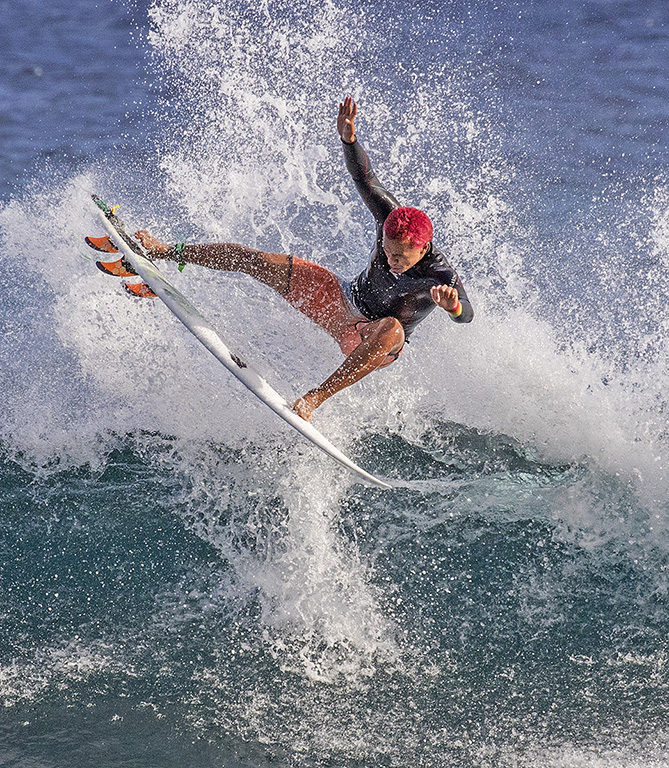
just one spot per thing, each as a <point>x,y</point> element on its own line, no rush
<point>402,256</point>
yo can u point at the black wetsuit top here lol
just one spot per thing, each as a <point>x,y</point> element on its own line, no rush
<point>377,292</point>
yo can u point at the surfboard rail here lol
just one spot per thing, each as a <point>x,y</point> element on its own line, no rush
<point>210,338</point>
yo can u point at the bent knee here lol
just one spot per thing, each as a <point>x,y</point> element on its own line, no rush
<point>390,333</point>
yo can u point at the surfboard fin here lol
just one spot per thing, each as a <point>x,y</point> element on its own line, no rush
<point>139,290</point>
<point>120,268</point>
<point>102,244</point>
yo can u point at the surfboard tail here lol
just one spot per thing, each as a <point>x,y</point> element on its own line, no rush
<point>157,285</point>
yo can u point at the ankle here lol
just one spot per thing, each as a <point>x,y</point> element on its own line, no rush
<point>316,397</point>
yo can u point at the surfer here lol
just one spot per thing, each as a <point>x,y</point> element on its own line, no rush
<point>370,317</point>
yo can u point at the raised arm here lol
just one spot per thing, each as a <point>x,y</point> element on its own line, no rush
<point>348,109</point>
<point>379,201</point>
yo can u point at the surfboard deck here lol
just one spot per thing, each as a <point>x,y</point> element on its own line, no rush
<point>202,329</point>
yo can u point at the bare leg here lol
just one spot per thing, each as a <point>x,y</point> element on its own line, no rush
<point>272,269</point>
<point>379,339</point>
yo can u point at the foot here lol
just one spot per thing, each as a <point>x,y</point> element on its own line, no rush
<point>140,290</point>
<point>154,247</point>
<point>305,406</point>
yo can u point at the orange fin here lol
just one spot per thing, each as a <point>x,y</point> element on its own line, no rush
<point>103,244</point>
<point>119,268</point>
<point>140,290</point>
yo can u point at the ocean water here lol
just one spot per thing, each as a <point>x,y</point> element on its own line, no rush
<point>183,581</point>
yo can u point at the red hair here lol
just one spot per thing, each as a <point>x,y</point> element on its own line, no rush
<point>409,225</point>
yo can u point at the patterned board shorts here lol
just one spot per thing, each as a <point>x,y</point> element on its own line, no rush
<point>318,294</point>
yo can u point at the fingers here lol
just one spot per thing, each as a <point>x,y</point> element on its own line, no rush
<point>444,292</point>
<point>348,108</point>
<point>444,295</point>
<point>345,120</point>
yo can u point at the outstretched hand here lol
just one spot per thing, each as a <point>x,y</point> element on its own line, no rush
<point>346,120</point>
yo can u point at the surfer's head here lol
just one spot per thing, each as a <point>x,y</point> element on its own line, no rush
<point>407,234</point>
<point>409,225</point>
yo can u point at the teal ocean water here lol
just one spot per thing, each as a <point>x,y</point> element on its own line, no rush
<point>183,581</point>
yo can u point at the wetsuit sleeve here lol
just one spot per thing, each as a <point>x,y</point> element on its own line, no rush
<point>442,273</point>
<point>379,201</point>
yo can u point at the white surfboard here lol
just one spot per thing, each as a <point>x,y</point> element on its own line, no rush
<point>202,329</point>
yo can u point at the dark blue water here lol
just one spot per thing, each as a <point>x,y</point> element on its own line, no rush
<point>185,583</point>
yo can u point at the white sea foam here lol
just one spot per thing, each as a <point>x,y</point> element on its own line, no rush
<point>258,160</point>
<point>651,753</point>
